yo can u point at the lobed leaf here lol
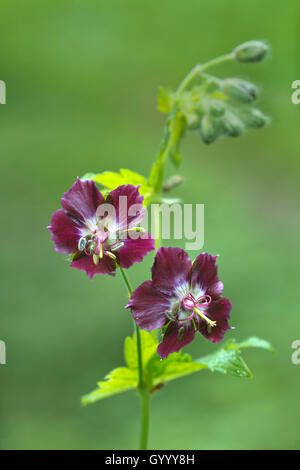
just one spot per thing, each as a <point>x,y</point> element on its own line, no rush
<point>149,344</point>
<point>157,372</point>
<point>228,360</point>
<point>165,100</point>
<point>117,381</point>
<point>111,180</point>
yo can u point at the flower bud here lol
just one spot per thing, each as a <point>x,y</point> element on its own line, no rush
<point>193,121</point>
<point>255,118</point>
<point>217,108</point>
<point>233,126</point>
<point>172,182</point>
<point>240,90</point>
<point>251,51</point>
<point>208,129</point>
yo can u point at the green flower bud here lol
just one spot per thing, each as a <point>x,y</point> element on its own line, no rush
<point>193,121</point>
<point>172,182</point>
<point>251,51</point>
<point>232,124</point>
<point>208,129</point>
<point>240,90</point>
<point>255,118</point>
<point>217,108</point>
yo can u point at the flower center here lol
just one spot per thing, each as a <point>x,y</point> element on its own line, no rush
<point>196,307</point>
<point>100,243</point>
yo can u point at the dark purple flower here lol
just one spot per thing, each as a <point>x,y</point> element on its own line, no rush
<point>184,297</point>
<point>100,232</point>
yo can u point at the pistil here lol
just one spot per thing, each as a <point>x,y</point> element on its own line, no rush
<point>202,315</point>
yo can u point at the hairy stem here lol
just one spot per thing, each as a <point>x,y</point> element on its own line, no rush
<point>142,389</point>
<point>145,404</point>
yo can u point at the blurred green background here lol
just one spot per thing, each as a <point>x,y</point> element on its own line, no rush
<point>82,80</point>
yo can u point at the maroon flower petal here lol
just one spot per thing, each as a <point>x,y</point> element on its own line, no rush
<point>219,311</point>
<point>85,263</point>
<point>171,269</point>
<point>173,341</point>
<point>123,198</point>
<point>64,232</point>
<point>204,275</point>
<point>148,306</point>
<point>82,199</point>
<point>134,251</point>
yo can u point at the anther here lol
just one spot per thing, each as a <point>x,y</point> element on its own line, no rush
<point>82,244</point>
<point>116,246</point>
<point>180,332</point>
<point>208,320</point>
<point>100,250</point>
<point>95,258</point>
<point>111,255</point>
<point>170,315</point>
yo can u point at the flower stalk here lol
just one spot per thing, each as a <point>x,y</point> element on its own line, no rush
<point>142,389</point>
<point>170,128</point>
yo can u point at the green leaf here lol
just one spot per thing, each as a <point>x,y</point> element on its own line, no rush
<point>156,174</point>
<point>111,180</point>
<point>165,100</point>
<point>228,360</point>
<point>176,157</point>
<point>149,345</point>
<point>117,381</point>
<point>88,176</point>
<point>174,366</point>
<point>157,372</point>
<point>254,342</point>
<point>174,131</point>
<point>177,130</point>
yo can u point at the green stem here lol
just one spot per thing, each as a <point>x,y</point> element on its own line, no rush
<point>157,229</point>
<point>145,404</point>
<point>142,389</point>
<point>143,392</point>
<point>200,68</point>
<point>196,71</point>
<point>217,61</point>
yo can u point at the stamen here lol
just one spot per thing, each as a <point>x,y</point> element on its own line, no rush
<point>137,229</point>
<point>115,246</point>
<point>180,332</point>
<point>194,324</point>
<point>170,316</point>
<point>82,243</point>
<point>95,258</point>
<point>92,246</point>
<point>111,255</point>
<point>100,250</point>
<point>201,314</point>
<point>175,309</point>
